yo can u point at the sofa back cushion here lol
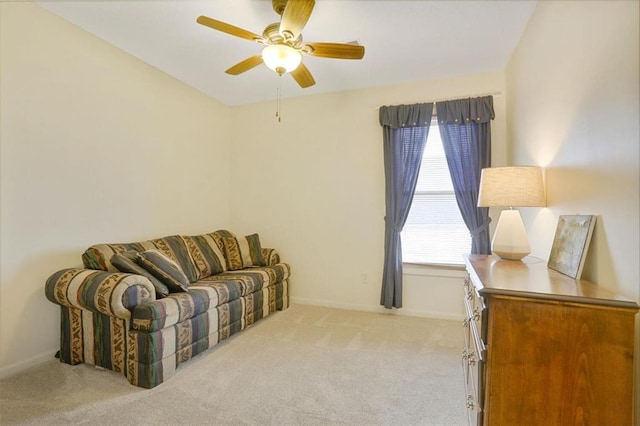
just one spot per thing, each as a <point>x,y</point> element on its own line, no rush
<point>206,255</point>
<point>219,235</point>
<point>98,256</point>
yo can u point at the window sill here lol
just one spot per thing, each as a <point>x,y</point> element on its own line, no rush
<point>451,271</point>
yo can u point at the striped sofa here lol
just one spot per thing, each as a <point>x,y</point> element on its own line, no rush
<point>124,322</point>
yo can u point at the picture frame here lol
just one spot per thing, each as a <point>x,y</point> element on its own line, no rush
<point>571,243</point>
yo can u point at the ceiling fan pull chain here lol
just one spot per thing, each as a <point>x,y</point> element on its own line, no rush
<point>278,115</point>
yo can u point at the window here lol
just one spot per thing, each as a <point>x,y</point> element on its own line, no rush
<point>434,232</point>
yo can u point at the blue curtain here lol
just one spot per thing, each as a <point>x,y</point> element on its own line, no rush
<point>465,128</point>
<point>405,130</point>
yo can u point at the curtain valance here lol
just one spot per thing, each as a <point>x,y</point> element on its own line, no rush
<point>476,110</point>
<point>402,116</point>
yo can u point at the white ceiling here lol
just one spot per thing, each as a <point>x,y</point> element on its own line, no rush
<point>405,40</point>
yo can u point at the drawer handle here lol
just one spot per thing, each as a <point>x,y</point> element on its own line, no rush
<point>471,359</point>
<point>469,402</point>
<point>476,314</point>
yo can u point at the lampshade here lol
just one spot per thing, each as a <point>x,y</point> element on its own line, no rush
<point>511,187</point>
<point>519,186</point>
<point>281,58</point>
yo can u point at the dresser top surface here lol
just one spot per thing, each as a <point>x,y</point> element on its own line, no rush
<point>531,278</point>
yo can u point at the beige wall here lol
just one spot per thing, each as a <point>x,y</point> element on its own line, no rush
<point>96,146</point>
<point>573,107</point>
<point>318,180</point>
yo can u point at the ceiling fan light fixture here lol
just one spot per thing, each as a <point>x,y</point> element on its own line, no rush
<point>283,41</point>
<point>281,58</point>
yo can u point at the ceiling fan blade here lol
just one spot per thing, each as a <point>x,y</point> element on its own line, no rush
<point>336,50</point>
<point>295,17</point>
<point>245,65</point>
<point>227,28</point>
<point>303,76</point>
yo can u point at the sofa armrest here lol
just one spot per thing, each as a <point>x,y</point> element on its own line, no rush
<point>271,256</point>
<point>108,293</point>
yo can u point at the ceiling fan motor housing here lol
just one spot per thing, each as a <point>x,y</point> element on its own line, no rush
<point>279,5</point>
<point>272,33</point>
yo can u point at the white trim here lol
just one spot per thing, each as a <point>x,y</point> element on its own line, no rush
<point>434,270</point>
<point>377,309</point>
<point>23,365</point>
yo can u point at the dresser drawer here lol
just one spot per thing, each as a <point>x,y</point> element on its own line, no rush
<point>472,369</point>
<point>476,314</point>
<point>473,360</point>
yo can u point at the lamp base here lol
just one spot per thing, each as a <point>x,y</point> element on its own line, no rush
<point>510,239</point>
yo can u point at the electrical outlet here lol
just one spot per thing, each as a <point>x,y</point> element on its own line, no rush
<point>364,279</point>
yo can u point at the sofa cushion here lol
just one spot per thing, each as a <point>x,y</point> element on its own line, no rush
<point>175,248</point>
<point>206,255</point>
<point>243,252</point>
<point>206,294</point>
<point>165,269</point>
<point>219,235</point>
<point>178,307</point>
<point>126,262</point>
<point>246,281</point>
<point>171,310</point>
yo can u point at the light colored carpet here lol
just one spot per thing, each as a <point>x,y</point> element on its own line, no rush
<point>304,366</point>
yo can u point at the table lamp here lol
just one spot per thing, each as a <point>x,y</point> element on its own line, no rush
<point>519,186</point>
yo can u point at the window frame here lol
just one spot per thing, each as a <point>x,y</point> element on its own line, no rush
<point>432,268</point>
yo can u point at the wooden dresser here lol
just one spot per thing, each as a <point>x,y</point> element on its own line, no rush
<point>543,348</point>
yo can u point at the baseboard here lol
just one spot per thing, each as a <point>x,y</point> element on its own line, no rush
<point>23,365</point>
<point>376,309</point>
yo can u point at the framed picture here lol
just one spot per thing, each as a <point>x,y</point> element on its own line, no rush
<point>571,243</point>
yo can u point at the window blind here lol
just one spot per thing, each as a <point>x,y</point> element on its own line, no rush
<point>434,232</point>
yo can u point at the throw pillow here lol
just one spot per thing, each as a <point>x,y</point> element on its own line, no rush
<point>164,269</point>
<point>242,252</point>
<point>126,262</point>
<point>174,248</point>
<point>255,250</point>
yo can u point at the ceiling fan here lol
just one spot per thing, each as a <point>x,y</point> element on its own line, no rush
<point>283,41</point>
